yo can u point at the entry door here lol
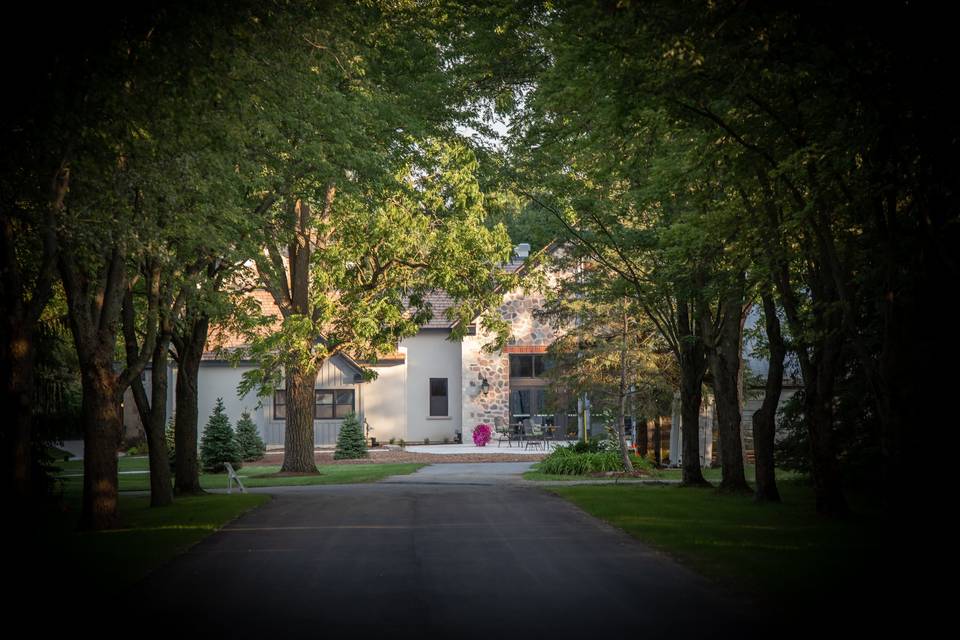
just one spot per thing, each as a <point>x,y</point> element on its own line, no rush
<point>529,403</point>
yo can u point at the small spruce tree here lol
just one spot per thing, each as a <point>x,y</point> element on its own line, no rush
<point>218,445</point>
<point>350,443</point>
<point>251,444</point>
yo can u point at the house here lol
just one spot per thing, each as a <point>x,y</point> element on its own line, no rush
<point>430,389</point>
<point>435,389</point>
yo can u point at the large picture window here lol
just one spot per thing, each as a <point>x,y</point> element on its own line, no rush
<point>332,403</point>
<point>527,366</point>
<point>328,404</point>
<point>439,402</point>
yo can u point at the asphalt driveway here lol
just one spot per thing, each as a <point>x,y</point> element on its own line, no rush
<point>429,557</point>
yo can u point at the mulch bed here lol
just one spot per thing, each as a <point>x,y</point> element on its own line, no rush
<point>393,456</point>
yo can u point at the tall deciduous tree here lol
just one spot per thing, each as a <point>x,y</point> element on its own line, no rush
<point>366,208</point>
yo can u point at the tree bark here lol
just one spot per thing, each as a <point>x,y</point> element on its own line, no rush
<point>102,428</point>
<point>657,435</point>
<point>622,404</point>
<point>189,345</point>
<point>152,410</point>
<point>818,338</point>
<point>21,304</point>
<point>153,414</point>
<point>95,301</point>
<point>693,366</point>
<point>723,354</point>
<point>764,419</point>
<point>298,435</point>
<point>643,442</point>
<point>18,363</point>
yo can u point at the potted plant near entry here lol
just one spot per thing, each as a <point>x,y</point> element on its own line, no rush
<point>481,434</point>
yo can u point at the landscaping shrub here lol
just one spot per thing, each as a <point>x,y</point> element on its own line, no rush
<point>350,443</point>
<point>569,461</point>
<point>248,438</point>
<point>219,445</point>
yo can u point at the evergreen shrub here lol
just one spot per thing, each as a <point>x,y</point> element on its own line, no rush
<point>218,445</point>
<point>251,444</point>
<point>351,444</point>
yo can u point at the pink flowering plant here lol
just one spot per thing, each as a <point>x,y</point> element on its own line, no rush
<point>481,434</point>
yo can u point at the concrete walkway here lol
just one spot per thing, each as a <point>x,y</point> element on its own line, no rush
<point>442,558</point>
<point>471,473</point>
<point>491,448</point>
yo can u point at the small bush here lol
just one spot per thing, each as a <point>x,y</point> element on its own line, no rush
<point>350,443</point>
<point>569,461</point>
<point>248,438</point>
<point>393,440</point>
<point>426,441</point>
<point>219,445</point>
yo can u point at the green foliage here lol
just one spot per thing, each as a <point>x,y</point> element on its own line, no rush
<point>219,444</point>
<point>251,444</point>
<point>351,443</point>
<point>584,459</point>
<point>169,439</point>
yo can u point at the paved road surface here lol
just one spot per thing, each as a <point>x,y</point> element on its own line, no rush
<point>460,556</point>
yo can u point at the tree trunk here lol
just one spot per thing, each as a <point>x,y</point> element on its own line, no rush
<point>298,434</point>
<point>764,419</point>
<point>102,430</point>
<point>189,346</point>
<point>724,358</point>
<point>18,364</point>
<point>693,366</point>
<point>153,414</point>
<point>643,442</point>
<point>818,409</point>
<point>622,404</point>
<point>657,435</point>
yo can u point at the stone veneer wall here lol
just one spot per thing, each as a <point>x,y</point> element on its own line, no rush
<point>517,308</point>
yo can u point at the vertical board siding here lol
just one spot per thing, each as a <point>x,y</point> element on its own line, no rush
<point>325,432</point>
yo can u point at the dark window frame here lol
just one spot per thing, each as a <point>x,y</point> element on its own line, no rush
<point>336,407</point>
<point>536,363</point>
<point>280,405</point>
<point>431,397</point>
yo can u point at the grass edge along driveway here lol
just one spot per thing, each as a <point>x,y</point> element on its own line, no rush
<point>72,475</point>
<point>148,537</point>
<point>782,555</point>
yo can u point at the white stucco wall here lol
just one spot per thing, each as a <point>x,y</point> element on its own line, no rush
<point>385,403</point>
<point>219,380</point>
<point>431,355</point>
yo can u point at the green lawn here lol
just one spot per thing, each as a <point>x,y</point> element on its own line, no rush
<point>148,537</point>
<point>783,554</point>
<point>329,474</point>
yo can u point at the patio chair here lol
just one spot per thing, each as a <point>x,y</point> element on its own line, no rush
<point>504,432</point>
<point>534,437</point>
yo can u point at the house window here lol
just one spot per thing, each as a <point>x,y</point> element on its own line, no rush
<point>439,406</point>
<point>328,404</point>
<point>527,366</point>
<point>332,403</point>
